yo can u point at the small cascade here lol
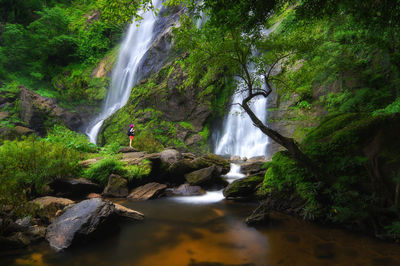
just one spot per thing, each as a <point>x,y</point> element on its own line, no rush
<point>234,173</point>
<point>126,73</point>
<point>208,198</point>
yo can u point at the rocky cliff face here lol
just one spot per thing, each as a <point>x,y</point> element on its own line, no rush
<point>162,108</point>
<point>39,112</point>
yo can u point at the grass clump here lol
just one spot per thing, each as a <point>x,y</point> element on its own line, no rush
<point>100,171</point>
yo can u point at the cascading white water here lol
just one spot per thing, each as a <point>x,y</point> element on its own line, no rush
<point>239,136</point>
<point>126,72</point>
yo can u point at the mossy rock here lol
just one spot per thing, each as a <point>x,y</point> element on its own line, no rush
<point>243,187</point>
<point>212,159</point>
<point>209,177</point>
<point>117,187</point>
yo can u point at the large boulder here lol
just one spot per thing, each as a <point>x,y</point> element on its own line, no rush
<point>22,131</point>
<point>50,206</point>
<point>117,187</point>
<point>254,166</point>
<point>259,216</point>
<point>85,220</point>
<point>148,191</point>
<point>74,187</point>
<point>206,177</point>
<point>210,160</point>
<point>243,187</point>
<point>36,110</point>
<point>186,190</point>
<point>170,156</point>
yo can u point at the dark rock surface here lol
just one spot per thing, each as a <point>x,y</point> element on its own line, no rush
<point>206,177</point>
<point>36,110</point>
<point>74,187</point>
<point>212,159</point>
<point>50,206</point>
<point>117,187</point>
<point>149,191</point>
<point>243,187</point>
<point>253,166</point>
<point>87,219</point>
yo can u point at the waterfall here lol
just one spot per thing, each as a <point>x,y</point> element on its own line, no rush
<point>239,137</point>
<point>126,72</point>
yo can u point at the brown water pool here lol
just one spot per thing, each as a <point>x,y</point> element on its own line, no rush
<point>181,233</point>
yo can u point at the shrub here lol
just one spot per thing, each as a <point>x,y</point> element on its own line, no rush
<point>71,139</point>
<point>100,171</point>
<point>145,141</point>
<point>28,166</point>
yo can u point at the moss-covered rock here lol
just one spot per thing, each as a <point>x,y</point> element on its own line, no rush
<point>117,187</point>
<point>207,177</point>
<point>243,187</point>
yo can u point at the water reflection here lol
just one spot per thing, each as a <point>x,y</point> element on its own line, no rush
<point>214,234</point>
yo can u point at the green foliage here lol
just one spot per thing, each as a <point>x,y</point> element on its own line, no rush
<point>28,166</point>
<point>186,125</point>
<point>71,139</point>
<point>145,141</point>
<point>122,11</point>
<point>138,171</point>
<point>111,148</point>
<point>394,230</point>
<point>392,108</point>
<point>100,171</point>
<point>57,43</point>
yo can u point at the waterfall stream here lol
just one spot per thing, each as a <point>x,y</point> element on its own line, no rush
<point>239,137</point>
<point>126,72</point>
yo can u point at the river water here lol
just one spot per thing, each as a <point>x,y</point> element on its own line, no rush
<point>181,231</point>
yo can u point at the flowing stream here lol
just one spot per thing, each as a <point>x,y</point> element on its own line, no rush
<point>126,72</point>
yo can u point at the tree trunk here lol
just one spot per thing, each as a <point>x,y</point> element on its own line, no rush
<point>288,143</point>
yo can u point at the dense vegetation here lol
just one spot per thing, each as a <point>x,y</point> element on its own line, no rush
<point>52,46</point>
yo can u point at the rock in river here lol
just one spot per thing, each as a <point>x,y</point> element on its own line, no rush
<point>49,206</point>
<point>148,191</point>
<point>76,187</point>
<point>117,187</point>
<point>84,220</point>
<point>243,187</point>
<point>206,177</point>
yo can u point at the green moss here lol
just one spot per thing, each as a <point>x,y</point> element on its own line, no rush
<point>154,130</point>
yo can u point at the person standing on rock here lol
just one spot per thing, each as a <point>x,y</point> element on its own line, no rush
<point>130,134</point>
